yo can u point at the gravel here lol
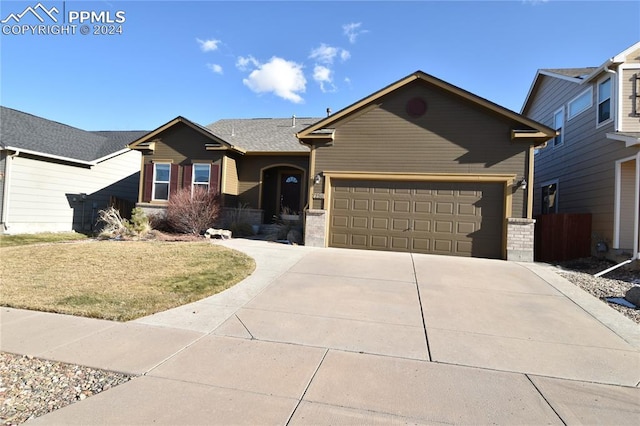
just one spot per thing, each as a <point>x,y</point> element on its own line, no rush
<point>613,284</point>
<point>31,387</point>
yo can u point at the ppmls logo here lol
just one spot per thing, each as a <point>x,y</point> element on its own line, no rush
<point>33,11</point>
<point>51,22</point>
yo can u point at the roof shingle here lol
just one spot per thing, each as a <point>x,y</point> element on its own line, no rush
<point>263,134</point>
<point>26,131</point>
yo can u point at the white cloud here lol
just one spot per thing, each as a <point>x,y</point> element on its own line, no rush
<point>352,31</point>
<point>534,2</point>
<point>324,77</point>
<point>243,64</point>
<point>215,68</point>
<point>325,54</point>
<point>279,76</point>
<point>208,45</point>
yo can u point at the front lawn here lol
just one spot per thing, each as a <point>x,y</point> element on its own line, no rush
<point>49,237</point>
<point>116,280</point>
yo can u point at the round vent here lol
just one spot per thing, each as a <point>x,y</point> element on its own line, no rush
<point>416,107</point>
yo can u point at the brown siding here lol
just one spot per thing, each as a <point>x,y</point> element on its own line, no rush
<point>249,173</point>
<point>584,164</point>
<point>454,136</point>
<point>183,146</point>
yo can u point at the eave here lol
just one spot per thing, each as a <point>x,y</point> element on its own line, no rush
<point>532,136</point>
<point>317,131</point>
<point>627,138</point>
<point>146,142</point>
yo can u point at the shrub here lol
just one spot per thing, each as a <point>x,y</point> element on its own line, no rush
<point>139,223</point>
<point>237,221</point>
<point>115,226</point>
<point>192,212</point>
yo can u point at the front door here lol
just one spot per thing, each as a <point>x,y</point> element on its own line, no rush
<point>290,189</point>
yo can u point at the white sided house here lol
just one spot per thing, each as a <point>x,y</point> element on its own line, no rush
<point>55,178</point>
<point>593,165</point>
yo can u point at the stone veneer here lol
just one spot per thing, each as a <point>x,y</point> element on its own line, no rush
<point>315,228</point>
<point>520,236</point>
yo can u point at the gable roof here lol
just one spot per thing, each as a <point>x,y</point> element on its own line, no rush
<point>146,141</point>
<point>39,136</point>
<point>263,134</point>
<point>250,135</point>
<point>535,131</point>
<point>577,75</point>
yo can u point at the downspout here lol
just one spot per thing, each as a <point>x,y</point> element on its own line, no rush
<point>636,223</point>
<point>6,191</point>
<point>530,175</point>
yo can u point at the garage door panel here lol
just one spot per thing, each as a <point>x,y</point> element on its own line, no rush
<point>463,219</point>
<point>381,205</point>
<point>360,222</point>
<point>400,243</point>
<point>359,241</point>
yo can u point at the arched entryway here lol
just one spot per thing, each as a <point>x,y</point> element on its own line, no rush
<point>283,191</point>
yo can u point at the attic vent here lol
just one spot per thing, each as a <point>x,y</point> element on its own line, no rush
<point>416,107</point>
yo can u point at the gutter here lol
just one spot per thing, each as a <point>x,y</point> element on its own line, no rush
<point>6,192</point>
<point>52,156</point>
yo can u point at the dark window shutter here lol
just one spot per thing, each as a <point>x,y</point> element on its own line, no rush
<point>148,183</point>
<point>173,180</point>
<point>214,179</point>
<point>187,173</point>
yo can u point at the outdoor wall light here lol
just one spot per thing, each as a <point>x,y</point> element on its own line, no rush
<point>522,184</point>
<point>317,179</point>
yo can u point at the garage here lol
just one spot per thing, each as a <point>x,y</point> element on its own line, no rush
<point>423,166</point>
<point>450,218</point>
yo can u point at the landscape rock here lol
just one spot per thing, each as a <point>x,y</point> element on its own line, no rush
<point>633,295</point>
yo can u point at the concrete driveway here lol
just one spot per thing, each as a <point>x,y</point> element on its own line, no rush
<point>329,336</point>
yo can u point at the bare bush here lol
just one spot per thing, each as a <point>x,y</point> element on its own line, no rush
<point>114,225</point>
<point>192,212</point>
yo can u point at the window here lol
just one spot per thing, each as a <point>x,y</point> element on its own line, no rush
<point>604,100</point>
<point>580,104</point>
<point>201,173</point>
<point>558,124</point>
<point>161,173</point>
<point>550,198</point>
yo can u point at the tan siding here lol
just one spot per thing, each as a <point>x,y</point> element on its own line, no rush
<point>630,114</point>
<point>627,200</point>
<point>584,164</point>
<point>454,136</point>
<point>231,176</point>
<point>249,174</point>
<point>633,57</point>
<point>40,191</point>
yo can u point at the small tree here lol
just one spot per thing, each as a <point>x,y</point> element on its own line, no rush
<point>191,212</point>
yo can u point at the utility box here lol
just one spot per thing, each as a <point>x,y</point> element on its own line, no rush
<point>562,236</point>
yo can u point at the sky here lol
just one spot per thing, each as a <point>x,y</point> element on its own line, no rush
<point>211,60</point>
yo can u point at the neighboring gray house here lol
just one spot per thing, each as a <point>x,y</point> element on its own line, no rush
<point>593,165</point>
<point>54,177</point>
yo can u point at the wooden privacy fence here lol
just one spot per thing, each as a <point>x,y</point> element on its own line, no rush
<point>123,206</point>
<point>562,236</point>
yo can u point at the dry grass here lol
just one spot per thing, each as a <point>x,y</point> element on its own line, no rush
<point>52,237</point>
<point>116,280</point>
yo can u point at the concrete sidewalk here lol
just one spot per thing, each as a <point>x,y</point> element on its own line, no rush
<point>329,336</point>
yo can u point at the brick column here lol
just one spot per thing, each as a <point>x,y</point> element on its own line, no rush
<point>520,235</point>
<point>315,228</point>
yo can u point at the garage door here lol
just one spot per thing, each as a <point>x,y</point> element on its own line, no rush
<point>452,218</point>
